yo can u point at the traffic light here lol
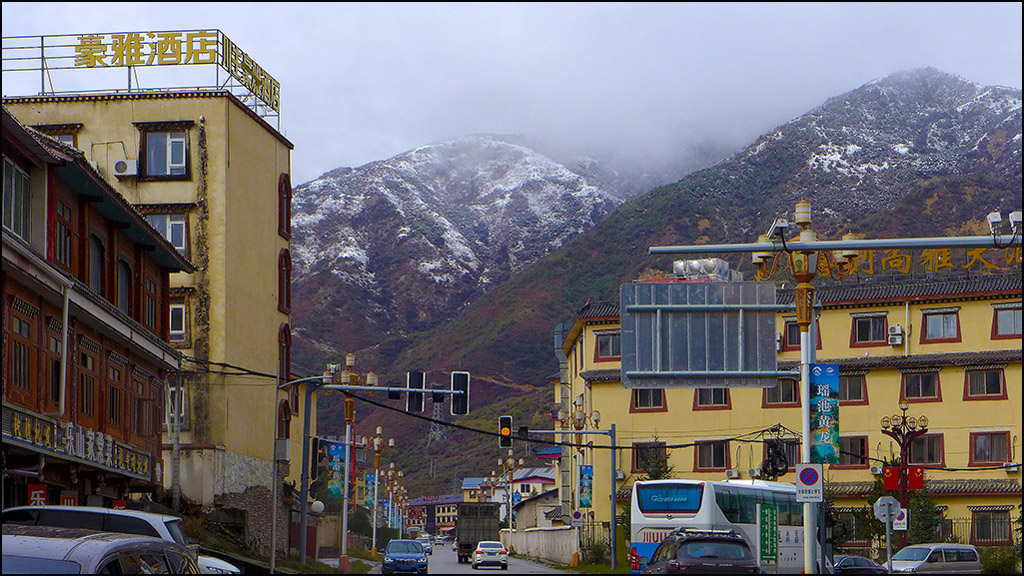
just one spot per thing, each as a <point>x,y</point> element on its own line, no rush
<point>460,402</point>
<point>317,452</point>
<point>436,397</point>
<point>504,431</point>
<point>414,400</point>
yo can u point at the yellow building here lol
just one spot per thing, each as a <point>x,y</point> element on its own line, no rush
<point>958,363</point>
<point>210,172</point>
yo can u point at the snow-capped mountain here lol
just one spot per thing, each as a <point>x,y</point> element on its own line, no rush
<point>398,245</point>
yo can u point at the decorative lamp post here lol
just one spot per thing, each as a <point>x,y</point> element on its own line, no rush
<point>509,466</point>
<point>348,377</point>
<point>904,430</point>
<point>377,443</point>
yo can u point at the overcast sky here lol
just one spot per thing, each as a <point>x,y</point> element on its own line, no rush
<point>363,82</point>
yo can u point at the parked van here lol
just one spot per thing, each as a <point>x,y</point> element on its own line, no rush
<point>937,559</point>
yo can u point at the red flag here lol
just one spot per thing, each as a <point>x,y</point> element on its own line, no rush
<point>890,478</point>
<point>916,481</point>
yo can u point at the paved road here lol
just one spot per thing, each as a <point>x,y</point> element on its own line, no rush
<point>445,561</point>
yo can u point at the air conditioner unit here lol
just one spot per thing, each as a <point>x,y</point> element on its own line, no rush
<point>896,330</point>
<point>620,475</point>
<point>1011,466</point>
<point>732,473</point>
<point>126,168</point>
<point>282,449</point>
<point>754,472</point>
<point>778,341</point>
<point>895,340</point>
<point>876,470</point>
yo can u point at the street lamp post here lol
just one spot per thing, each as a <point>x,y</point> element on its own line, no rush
<point>377,443</point>
<point>904,430</point>
<point>348,377</point>
<point>509,466</point>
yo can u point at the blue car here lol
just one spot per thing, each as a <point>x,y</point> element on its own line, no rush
<point>404,556</point>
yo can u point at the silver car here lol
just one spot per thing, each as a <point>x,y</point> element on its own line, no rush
<point>112,520</point>
<point>937,559</point>
<point>53,550</point>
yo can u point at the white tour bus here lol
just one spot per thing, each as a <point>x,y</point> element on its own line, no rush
<point>660,506</point>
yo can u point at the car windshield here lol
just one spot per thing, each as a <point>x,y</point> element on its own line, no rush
<point>26,565</point>
<point>406,547</point>
<point>713,549</point>
<point>912,554</point>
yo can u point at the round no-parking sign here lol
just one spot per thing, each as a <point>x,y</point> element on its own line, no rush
<point>808,483</point>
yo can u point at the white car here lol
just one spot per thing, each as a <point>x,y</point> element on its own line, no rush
<point>112,520</point>
<point>490,553</point>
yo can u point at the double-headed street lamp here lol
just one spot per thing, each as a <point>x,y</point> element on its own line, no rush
<point>377,443</point>
<point>904,430</point>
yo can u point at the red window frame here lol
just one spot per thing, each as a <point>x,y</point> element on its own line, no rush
<point>795,403</point>
<point>971,461</point>
<point>633,408</point>
<point>942,451</point>
<point>855,343</point>
<point>598,357</point>
<point>284,282</point>
<point>696,456</point>
<point>284,206</point>
<point>643,445</point>
<point>989,541</point>
<point>968,396</point>
<point>864,443</point>
<point>863,388</point>
<point>921,399</point>
<point>697,406</point>
<point>995,323</point>
<point>788,346</point>
<point>925,314</point>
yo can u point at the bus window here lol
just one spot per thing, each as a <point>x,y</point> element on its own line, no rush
<point>669,498</point>
<point>797,509</point>
<point>782,501</point>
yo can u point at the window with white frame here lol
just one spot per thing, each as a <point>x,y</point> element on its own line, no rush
<point>609,345</point>
<point>941,325</point>
<point>17,199</point>
<point>166,153</point>
<point>173,227</point>
<point>1007,321</point>
<point>179,320</point>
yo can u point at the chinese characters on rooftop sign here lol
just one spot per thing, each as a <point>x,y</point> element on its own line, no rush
<point>929,260</point>
<point>177,49</point>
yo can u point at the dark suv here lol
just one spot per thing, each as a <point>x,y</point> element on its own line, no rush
<point>686,551</point>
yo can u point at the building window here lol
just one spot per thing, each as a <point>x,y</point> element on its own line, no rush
<point>784,394</point>
<point>150,299</point>
<point>124,287</point>
<point>791,336</point>
<point>87,386</point>
<point>141,425</point>
<point>284,206</point>
<point>853,451</point>
<point>922,387</point>
<point>711,399</point>
<point>857,532</point>
<point>712,455</point>
<point>609,347</point>
<point>284,282</point>
<point>66,134</point>
<point>166,154</point>
<point>989,448</point>
<point>941,326</point>
<point>990,527</point>
<point>870,331</point>
<point>648,400</point>
<point>927,449</point>
<point>284,420</point>
<point>55,348</point>
<point>114,397</point>
<point>21,359</point>
<point>179,320</point>
<point>648,455</point>
<point>985,384</point>
<point>1006,321</point>
<point>853,389</point>
<point>62,237</point>
<point>177,403</point>
<point>173,227</point>
<point>17,199</point>
<point>97,257</point>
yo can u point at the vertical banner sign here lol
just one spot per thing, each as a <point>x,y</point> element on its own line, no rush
<point>586,486</point>
<point>768,527</point>
<point>890,478</point>
<point>825,413</point>
<point>336,467</point>
<point>369,489</point>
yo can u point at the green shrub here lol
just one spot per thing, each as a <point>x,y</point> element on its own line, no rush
<point>1001,560</point>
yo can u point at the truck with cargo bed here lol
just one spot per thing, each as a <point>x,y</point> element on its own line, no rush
<point>477,521</point>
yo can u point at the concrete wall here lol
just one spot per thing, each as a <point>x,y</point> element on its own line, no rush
<point>556,544</point>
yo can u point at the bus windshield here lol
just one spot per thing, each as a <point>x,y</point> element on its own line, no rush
<point>672,498</point>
